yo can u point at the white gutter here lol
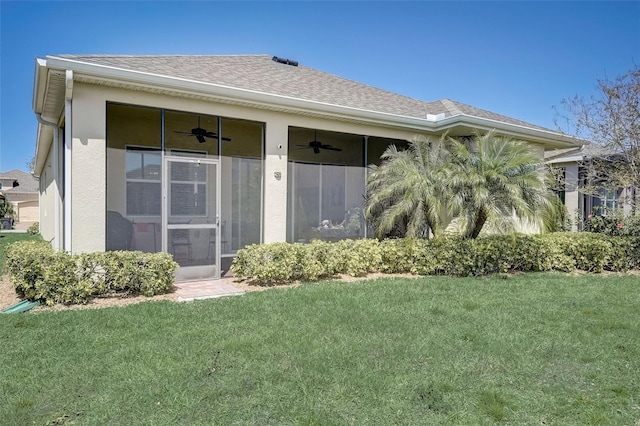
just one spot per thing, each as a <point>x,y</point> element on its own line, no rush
<point>57,236</point>
<point>272,101</point>
<point>38,84</point>
<point>36,103</point>
<point>68,134</point>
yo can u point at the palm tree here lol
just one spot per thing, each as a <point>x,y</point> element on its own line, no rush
<point>407,192</point>
<point>493,177</point>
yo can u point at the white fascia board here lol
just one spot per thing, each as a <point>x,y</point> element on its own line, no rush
<point>272,101</point>
<point>39,84</point>
<point>513,129</point>
<point>44,138</point>
<point>570,159</point>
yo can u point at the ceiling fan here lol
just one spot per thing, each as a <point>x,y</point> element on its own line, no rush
<point>201,133</point>
<point>317,145</point>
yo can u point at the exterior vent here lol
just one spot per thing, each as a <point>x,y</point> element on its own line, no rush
<point>435,117</point>
<point>285,61</point>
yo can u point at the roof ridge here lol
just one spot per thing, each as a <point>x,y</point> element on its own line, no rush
<point>487,114</point>
<point>450,106</point>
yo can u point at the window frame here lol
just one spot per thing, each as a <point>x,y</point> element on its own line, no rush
<point>142,149</point>
<point>182,153</point>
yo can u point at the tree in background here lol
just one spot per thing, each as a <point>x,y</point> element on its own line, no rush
<point>610,119</point>
<point>6,209</point>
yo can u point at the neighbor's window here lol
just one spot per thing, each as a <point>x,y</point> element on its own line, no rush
<point>608,199</point>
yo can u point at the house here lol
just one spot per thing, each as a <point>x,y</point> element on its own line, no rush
<point>199,156</point>
<point>584,190</point>
<point>21,189</point>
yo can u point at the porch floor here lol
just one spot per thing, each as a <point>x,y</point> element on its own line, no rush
<point>193,290</point>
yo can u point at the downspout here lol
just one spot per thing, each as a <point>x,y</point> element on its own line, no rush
<point>56,176</point>
<point>68,95</point>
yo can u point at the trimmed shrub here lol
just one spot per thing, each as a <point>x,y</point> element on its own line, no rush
<point>34,229</point>
<point>40,273</point>
<point>397,255</point>
<point>590,252</point>
<point>448,255</point>
<point>358,257</point>
<point>625,254</point>
<point>277,263</point>
<point>26,262</point>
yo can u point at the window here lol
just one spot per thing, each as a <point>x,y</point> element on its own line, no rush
<point>608,200</point>
<point>188,186</point>
<point>560,183</point>
<point>144,169</point>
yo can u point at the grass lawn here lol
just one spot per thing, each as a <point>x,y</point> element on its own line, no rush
<point>531,349</point>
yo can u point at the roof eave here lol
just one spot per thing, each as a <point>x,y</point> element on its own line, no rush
<point>549,138</point>
<point>37,102</point>
<point>280,102</point>
<point>39,85</point>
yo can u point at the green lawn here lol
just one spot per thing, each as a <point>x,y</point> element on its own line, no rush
<point>550,349</point>
<point>7,238</point>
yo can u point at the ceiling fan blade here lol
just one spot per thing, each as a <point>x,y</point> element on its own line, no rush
<point>201,138</point>
<point>330,148</point>
<point>316,150</point>
<point>215,136</point>
<point>182,133</point>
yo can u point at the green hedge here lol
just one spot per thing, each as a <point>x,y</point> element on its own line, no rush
<point>37,272</point>
<point>282,262</point>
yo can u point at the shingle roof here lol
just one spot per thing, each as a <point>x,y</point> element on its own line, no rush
<point>27,182</point>
<point>586,151</point>
<point>261,74</point>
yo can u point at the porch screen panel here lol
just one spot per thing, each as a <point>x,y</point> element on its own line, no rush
<point>241,188</point>
<point>325,185</point>
<point>134,176</point>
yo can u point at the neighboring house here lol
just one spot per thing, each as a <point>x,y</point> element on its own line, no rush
<point>199,156</point>
<point>579,192</point>
<point>22,190</point>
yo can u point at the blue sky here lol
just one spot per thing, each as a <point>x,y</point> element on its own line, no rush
<point>514,58</point>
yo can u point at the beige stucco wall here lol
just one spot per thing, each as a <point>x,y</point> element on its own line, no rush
<point>89,149</point>
<point>88,177</point>
<point>47,200</point>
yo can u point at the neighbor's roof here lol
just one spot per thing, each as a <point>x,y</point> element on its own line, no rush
<point>27,182</point>
<point>260,73</point>
<point>584,152</point>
